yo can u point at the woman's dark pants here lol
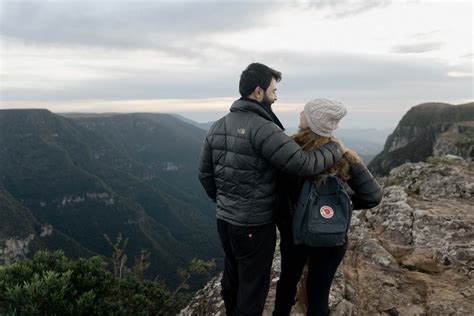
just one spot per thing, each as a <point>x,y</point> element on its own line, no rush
<point>322,266</point>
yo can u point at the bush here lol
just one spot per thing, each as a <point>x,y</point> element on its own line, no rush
<point>50,283</point>
<point>443,160</point>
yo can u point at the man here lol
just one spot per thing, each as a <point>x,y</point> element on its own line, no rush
<point>241,155</point>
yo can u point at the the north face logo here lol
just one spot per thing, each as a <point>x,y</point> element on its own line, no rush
<point>241,131</point>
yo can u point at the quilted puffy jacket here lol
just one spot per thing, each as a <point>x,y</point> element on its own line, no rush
<point>240,158</point>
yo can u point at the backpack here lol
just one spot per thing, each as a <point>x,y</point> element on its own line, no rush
<point>323,213</point>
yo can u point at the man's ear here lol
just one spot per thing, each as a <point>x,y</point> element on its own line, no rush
<point>256,93</point>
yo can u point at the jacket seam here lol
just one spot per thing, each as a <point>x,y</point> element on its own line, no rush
<point>248,155</point>
<point>286,162</point>
<point>256,132</point>
<point>279,147</point>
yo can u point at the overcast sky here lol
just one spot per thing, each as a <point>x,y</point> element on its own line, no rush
<point>378,57</point>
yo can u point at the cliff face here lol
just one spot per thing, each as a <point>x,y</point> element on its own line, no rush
<point>411,255</point>
<point>429,129</point>
<point>132,174</point>
<point>457,140</point>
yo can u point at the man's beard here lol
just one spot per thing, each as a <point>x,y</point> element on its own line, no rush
<point>266,100</point>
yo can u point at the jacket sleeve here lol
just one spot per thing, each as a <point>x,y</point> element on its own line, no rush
<point>286,155</point>
<point>206,170</point>
<point>367,191</point>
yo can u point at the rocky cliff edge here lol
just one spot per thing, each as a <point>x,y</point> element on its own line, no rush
<point>411,255</point>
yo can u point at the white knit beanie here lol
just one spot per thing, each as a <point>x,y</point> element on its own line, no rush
<point>323,115</point>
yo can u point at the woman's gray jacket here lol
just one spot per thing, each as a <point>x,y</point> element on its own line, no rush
<point>240,158</point>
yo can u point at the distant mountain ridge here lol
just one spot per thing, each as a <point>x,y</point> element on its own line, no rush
<point>84,176</point>
<point>204,126</point>
<point>366,142</point>
<point>425,130</point>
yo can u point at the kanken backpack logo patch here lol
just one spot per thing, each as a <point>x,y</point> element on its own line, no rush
<point>323,213</point>
<point>326,211</point>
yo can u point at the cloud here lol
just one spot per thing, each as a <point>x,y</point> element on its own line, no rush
<point>357,78</point>
<point>369,79</point>
<point>417,48</point>
<point>458,74</point>
<point>170,26</point>
<point>63,51</point>
<point>425,35</point>
<point>163,25</point>
<point>345,8</point>
<point>468,56</point>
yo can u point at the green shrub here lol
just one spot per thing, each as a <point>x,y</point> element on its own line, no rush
<point>52,284</point>
<point>440,161</point>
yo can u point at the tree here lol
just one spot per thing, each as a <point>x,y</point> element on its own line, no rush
<point>119,257</point>
<point>196,266</point>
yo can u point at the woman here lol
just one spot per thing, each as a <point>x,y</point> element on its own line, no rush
<point>317,122</point>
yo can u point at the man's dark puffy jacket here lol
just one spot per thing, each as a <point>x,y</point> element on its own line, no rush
<point>240,157</point>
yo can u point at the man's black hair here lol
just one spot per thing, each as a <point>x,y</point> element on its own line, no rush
<point>255,75</point>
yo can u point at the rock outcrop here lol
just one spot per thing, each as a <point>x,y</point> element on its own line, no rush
<point>411,255</point>
<point>457,140</point>
<point>429,129</point>
<point>15,249</point>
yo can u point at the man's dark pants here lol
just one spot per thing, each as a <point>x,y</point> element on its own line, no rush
<point>248,260</point>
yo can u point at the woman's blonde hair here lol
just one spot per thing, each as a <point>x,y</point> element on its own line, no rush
<point>308,140</point>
